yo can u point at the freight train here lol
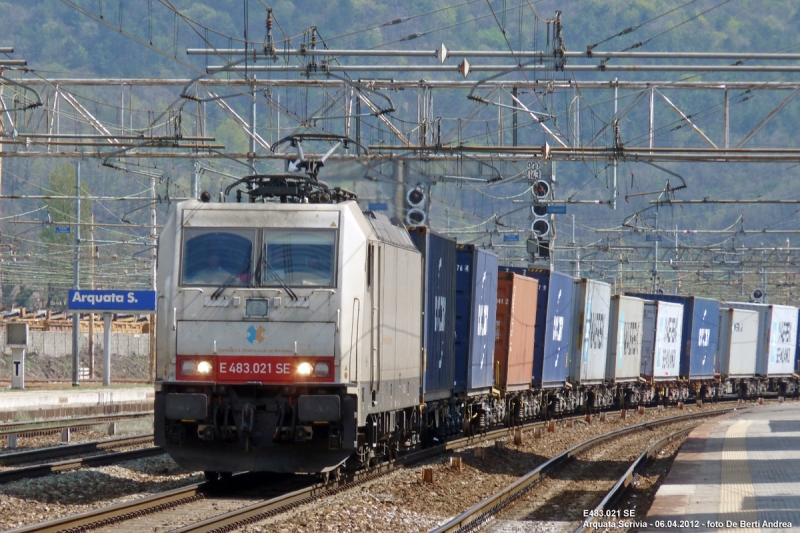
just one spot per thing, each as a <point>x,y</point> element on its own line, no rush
<point>311,337</point>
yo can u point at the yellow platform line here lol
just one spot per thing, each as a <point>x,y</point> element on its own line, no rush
<point>737,502</point>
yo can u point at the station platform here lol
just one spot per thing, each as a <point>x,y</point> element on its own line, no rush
<point>61,403</point>
<point>738,473</point>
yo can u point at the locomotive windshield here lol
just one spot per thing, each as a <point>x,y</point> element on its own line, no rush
<point>299,258</point>
<point>218,257</point>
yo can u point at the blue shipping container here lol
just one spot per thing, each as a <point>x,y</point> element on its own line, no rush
<point>797,351</point>
<point>700,331</point>
<point>476,305</point>
<point>553,328</point>
<point>439,305</point>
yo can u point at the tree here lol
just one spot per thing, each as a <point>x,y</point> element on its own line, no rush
<point>23,297</point>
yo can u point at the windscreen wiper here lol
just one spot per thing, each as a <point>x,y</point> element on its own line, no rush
<point>228,282</point>
<point>280,280</point>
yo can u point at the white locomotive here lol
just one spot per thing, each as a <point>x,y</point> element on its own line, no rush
<point>288,337</point>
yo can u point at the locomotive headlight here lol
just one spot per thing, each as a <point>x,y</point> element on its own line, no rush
<point>304,369</point>
<point>321,369</point>
<point>203,367</point>
<point>188,368</point>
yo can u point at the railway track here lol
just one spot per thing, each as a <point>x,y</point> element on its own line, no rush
<point>624,483</point>
<point>103,454</point>
<point>68,450</point>
<point>114,515</point>
<point>478,516</point>
<point>307,491</point>
<point>50,427</point>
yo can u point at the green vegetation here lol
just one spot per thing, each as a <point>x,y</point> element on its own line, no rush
<point>58,41</point>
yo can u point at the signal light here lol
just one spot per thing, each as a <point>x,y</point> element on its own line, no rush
<point>539,210</point>
<point>540,227</point>
<point>415,217</point>
<point>415,197</point>
<point>541,189</point>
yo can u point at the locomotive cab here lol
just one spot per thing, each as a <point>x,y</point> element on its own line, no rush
<point>264,347</point>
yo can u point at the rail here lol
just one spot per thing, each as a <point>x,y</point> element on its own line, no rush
<point>28,472</point>
<point>279,504</point>
<point>32,429</point>
<point>51,452</point>
<point>478,515</point>
<point>622,485</point>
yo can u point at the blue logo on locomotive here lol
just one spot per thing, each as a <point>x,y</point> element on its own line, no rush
<point>255,334</point>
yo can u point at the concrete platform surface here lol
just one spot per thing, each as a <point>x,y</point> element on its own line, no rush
<point>737,473</point>
<point>43,404</point>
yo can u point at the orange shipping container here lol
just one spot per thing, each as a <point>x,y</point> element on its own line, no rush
<point>514,330</point>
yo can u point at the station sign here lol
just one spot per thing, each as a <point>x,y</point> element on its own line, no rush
<point>111,301</point>
<point>62,229</point>
<point>378,206</point>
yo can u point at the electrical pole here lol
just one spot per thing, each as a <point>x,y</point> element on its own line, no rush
<point>616,141</point>
<point>153,242</point>
<point>76,317</point>
<point>655,259</point>
<point>552,218</point>
<point>91,315</point>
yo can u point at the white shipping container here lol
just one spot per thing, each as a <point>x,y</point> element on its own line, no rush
<point>661,340</point>
<point>591,301</point>
<point>625,339</point>
<point>777,336</point>
<point>737,345</point>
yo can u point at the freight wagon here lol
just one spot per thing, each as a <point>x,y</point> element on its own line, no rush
<point>625,347</point>
<point>737,349</point>
<point>698,341</point>
<point>587,362</point>
<point>776,345</point>
<point>312,337</point>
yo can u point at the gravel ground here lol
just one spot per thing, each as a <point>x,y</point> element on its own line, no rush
<point>399,502</point>
<point>557,503</point>
<point>640,497</point>
<point>29,501</point>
